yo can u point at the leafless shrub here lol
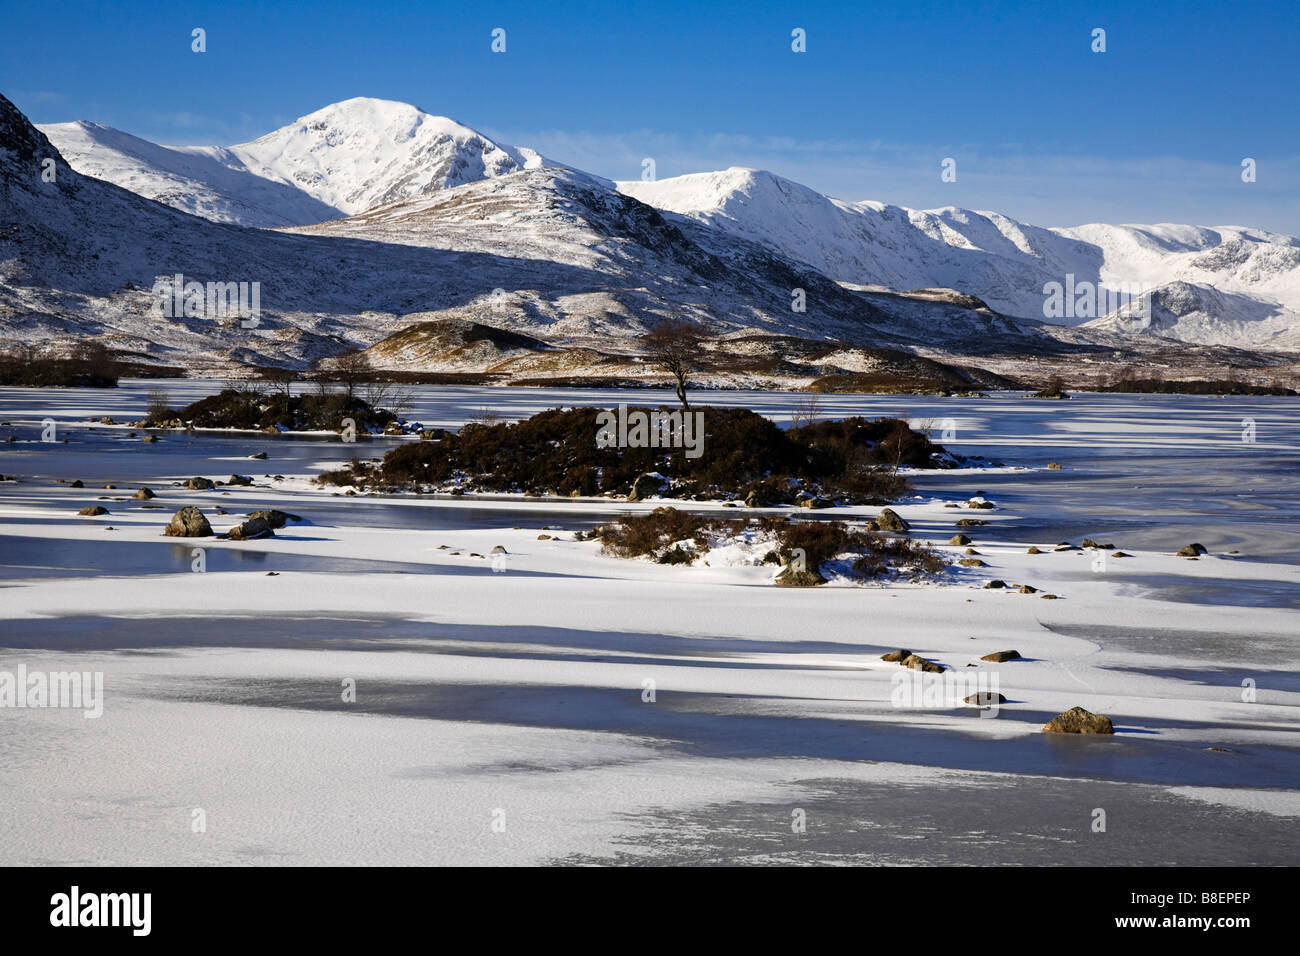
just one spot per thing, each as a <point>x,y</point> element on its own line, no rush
<point>806,411</point>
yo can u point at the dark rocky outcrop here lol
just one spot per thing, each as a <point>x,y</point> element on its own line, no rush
<point>276,519</point>
<point>889,520</point>
<point>794,578</point>
<point>250,530</point>
<point>645,486</point>
<point>189,522</point>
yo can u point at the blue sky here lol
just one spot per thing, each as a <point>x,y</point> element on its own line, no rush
<point>1041,128</point>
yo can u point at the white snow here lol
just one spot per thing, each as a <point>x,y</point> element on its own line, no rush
<point>520,690</point>
<point>1227,285</point>
<point>1004,262</point>
<point>338,161</point>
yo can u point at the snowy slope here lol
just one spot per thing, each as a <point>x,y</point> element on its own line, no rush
<point>365,152</point>
<point>337,161</point>
<point>1202,314</point>
<point>1004,262</point>
<point>545,251</point>
<point>192,182</point>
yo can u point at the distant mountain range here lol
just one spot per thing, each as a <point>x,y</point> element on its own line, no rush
<point>1227,285</point>
<point>386,219</point>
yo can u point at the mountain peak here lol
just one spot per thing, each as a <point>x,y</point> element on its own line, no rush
<point>368,112</point>
<point>340,160</point>
<point>365,152</point>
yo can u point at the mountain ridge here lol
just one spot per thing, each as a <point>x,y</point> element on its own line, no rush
<point>998,259</point>
<point>351,157</point>
<point>336,161</point>
<point>547,251</point>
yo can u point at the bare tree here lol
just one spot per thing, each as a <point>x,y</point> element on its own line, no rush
<point>674,346</point>
<point>1055,388</point>
<point>388,395</point>
<point>806,411</point>
<point>352,368</point>
<point>895,444</point>
<point>487,416</point>
<point>160,405</point>
<point>281,380</point>
<point>95,356</point>
<point>244,387</point>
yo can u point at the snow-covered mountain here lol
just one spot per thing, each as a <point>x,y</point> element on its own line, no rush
<point>340,160</point>
<point>543,251</point>
<point>1006,263</point>
<point>547,252</point>
<point>1200,313</point>
<point>189,181</point>
<point>363,153</point>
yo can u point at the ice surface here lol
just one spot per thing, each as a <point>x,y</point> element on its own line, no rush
<point>521,690</point>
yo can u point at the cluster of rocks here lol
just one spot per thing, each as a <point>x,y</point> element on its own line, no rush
<point>1076,720</point>
<point>199,483</point>
<point>806,500</point>
<point>912,661</point>
<point>190,522</point>
<point>997,584</point>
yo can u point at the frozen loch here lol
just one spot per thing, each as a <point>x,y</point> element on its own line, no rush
<point>396,693</point>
